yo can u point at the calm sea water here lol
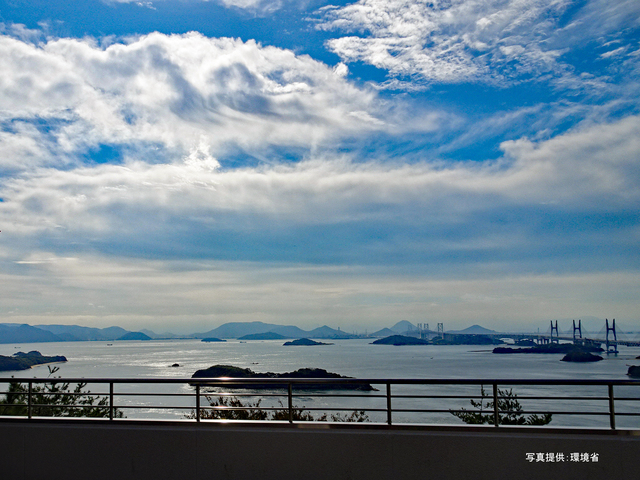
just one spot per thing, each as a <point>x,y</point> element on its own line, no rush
<point>355,358</point>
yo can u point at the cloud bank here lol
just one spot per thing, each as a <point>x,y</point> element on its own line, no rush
<point>328,210</point>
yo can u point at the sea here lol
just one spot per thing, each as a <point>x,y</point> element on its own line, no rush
<point>354,358</point>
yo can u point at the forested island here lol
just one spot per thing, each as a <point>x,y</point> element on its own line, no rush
<point>303,342</point>
<point>400,340</point>
<point>573,353</point>
<point>550,348</point>
<point>24,361</point>
<point>231,371</point>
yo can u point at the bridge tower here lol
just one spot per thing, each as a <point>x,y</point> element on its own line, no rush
<point>441,330</point>
<point>557,339</point>
<point>612,347</point>
<point>579,330</point>
<point>424,330</point>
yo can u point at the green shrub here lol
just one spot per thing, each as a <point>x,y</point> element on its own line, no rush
<point>509,411</point>
<point>231,408</point>
<point>55,399</point>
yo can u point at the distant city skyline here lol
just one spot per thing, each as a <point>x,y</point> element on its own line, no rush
<point>179,164</point>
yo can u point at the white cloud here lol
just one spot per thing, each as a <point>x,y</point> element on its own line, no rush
<point>341,70</point>
<point>613,53</point>
<point>261,6</point>
<point>445,42</point>
<point>67,96</point>
<point>470,40</point>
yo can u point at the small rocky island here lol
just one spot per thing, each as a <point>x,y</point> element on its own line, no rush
<point>634,371</point>
<point>212,339</point>
<point>400,340</point>
<point>550,348</point>
<point>24,361</point>
<point>304,342</point>
<point>237,372</point>
<point>581,356</point>
<point>573,353</point>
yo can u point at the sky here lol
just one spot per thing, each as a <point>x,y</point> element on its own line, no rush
<point>179,164</point>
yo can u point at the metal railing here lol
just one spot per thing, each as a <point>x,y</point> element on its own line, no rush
<point>392,402</point>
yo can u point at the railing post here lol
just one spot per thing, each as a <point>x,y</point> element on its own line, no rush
<point>612,410</point>
<point>496,410</point>
<point>290,402</point>
<point>197,402</point>
<point>110,400</point>
<point>29,399</point>
<point>389,403</point>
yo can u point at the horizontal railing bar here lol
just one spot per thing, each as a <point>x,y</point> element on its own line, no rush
<point>56,394</point>
<point>155,407</point>
<point>520,397</point>
<point>317,409</point>
<point>229,394</point>
<point>467,397</point>
<point>52,406</point>
<point>143,394</point>
<point>347,409</point>
<point>373,381</point>
<point>587,399</point>
<point>338,395</point>
<point>487,412</point>
<point>295,409</point>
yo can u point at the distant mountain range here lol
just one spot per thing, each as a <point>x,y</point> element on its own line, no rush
<point>23,333</point>
<point>244,329</point>
<point>473,330</point>
<point>403,327</point>
<point>74,333</point>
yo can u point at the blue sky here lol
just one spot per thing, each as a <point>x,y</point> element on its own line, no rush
<point>178,164</point>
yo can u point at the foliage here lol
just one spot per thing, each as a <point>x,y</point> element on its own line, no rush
<point>231,408</point>
<point>509,411</point>
<point>55,399</point>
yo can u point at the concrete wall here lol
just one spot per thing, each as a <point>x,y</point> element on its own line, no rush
<point>136,450</point>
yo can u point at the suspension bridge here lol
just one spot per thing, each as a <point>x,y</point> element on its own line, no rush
<point>609,335</point>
